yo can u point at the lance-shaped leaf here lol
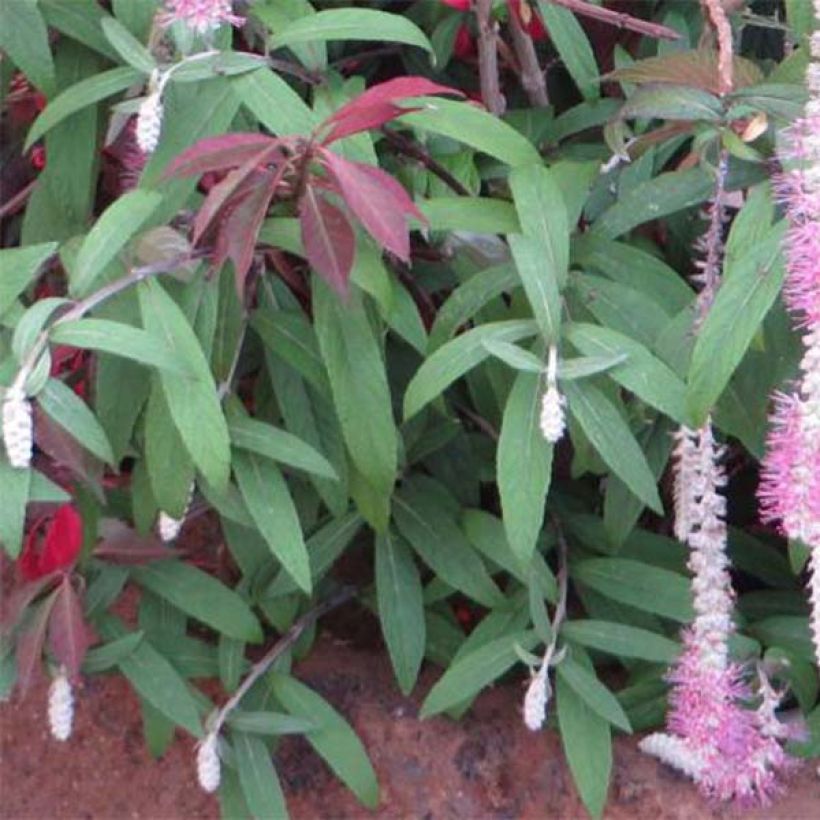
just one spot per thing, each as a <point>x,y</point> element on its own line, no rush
<point>30,644</point>
<point>217,154</point>
<point>524,466</point>
<point>540,280</point>
<point>18,267</point>
<point>379,104</point>
<point>328,238</point>
<point>379,202</point>
<point>239,230</point>
<point>192,400</point>
<point>68,634</point>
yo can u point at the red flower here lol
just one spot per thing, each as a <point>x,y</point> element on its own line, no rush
<point>464,44</point>
<point>460,5</point>
<point>57,549</point>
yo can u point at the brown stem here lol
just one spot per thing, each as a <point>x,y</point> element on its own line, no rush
<point>619,19</point>
<point>488,58</point>
<point>283,644</point>
<point>533,79</point>
<point>410,148</point>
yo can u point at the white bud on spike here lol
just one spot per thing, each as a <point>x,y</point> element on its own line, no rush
<point>149,122</point>
<point>168,527</point>
<point>60,707</point>
<point>536,700</point>
<point>208,770</point>
<point>552,405</point>
<point>17,427</point>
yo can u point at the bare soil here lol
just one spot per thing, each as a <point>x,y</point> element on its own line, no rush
<point>485,766</point>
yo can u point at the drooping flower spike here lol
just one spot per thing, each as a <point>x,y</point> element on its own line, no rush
<point>790,477</point>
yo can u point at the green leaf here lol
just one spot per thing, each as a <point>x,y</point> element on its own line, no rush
<point>118,223</point>
<point>127,46</point>
<point>541,280</point>
<point>573,46</point>
<point>640,585</point>
<point>585,684</point>
<point>401,608</point>
<point>472,126</point>
<point>156,680</point>
<point>24,38</point>
<point>270,723</point>
<point>80,21</point>
<point>514,356</point>
<point>120,340</point>
<point>102,658</point>
<point>18,269</point>
<point>192,400</point>
<point>621,640</point>
<point>787,631</point>
<point>473,671</point>
<point>14,490</point>
<point>468,298</point>
<point>220,64</point>
<point>469,213</point>
<point>201,596</point>
<point>276,16</point>
<point>258,778</point>
<point>613,440</point>
<point>454,359</point>
<point>425,521</point>
<point>266,494</point>
<point>543,216</point>
<point>634,268</point>
<point>584,366</point>
<point>359,384</point>
<point>672,102</point>
<point>60,403</point>
<point>640,372</point>
<point>279,445</point>
<point>323,547</point>
<point>79,96</point>
<point>335,741</point>
<point>665,194</point>
<point>622,308</point>
<point>274,103</point>
<point>750,286</point>
<point>587,744</point>
<point>352,24</point>
<point>524,466</point>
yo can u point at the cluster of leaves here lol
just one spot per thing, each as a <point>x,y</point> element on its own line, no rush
<point>389,404</point>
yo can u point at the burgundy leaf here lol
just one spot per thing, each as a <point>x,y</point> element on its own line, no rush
<point>122,545</point>
<point>68,453</point>
<point>30,645</point>
<point>219,195</point>
<point>17,601</point>
<point>377,105</point>
<point>379,202</point>
<point>218,153</point>
<point>328,238</point>
<point>68,634</point>
<point>239,229</point>
<point>371,117</point>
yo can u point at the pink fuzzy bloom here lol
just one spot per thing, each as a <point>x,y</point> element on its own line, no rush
<point>790,477</point>
<point>201,16</point>
<point>715,740</point>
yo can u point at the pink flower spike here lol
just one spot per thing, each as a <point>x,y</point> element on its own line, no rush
<point>201,16</point>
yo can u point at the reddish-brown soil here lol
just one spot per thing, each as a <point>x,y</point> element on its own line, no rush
<point>486,766</point>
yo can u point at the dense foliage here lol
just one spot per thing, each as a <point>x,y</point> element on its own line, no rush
<point>435,282</point>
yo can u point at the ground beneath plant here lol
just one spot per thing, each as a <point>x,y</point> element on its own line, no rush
<point>485,766</point>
